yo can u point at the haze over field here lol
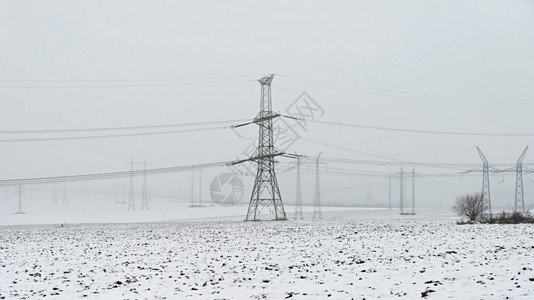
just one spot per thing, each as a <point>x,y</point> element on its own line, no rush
<point>452,66</point>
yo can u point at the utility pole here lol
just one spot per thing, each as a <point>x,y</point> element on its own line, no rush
<point>485,181</point>
<point>192,188</point>
<point>65,199</point>
<point>401,183</point>
<point>200,187</point>
<point>131,202</point>
<point>389,181</point>
<point>298,199</point>
<point>144,196</point>
<point>519,197</point>
<point>317,204</point>
<point>266,192</point>
<point>413,191</point>
<point>20,201</point>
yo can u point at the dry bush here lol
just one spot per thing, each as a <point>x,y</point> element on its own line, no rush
<point>471,206</point>
<point>512,218</point>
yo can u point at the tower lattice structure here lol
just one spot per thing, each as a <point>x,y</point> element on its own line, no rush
<point>519,197</point>
<point>298,199</point>
<point>401,191</point>
<point>317,214</point>
<point>485,181</point>
<point>266,192</point>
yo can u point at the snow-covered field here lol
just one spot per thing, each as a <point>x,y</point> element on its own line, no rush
<point>356,254</point>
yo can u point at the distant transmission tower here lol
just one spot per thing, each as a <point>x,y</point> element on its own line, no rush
<point>200,187</point>
<point>192,188</point>
<point>413,191</point>
<point>65,196</point>
<point>298,200</point>
<point>144,196</point>
<point>519,199</point>
<point>389,184</point>
<point>485,181</point>
<point>266,192</point>
<point>317,203</point>
<point>401,185</point>
<point>131,202</point>
<point>20,201</point>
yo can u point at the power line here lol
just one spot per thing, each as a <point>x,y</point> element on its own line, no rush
<point>109,175</point>
<point>417,130</point>
<point>351,150</point>
<point>54,139</point>
<point>128,80</point>
<point>401,163</point>
<point>119,86</point>
<point>402,94</point>
<point>98,129</point>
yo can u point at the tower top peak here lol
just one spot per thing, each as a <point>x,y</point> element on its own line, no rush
<point>266,80</point>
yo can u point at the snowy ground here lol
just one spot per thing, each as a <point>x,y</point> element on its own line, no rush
<point>351,254</point>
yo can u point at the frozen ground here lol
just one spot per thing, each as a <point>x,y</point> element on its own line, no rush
<point>352,254</point>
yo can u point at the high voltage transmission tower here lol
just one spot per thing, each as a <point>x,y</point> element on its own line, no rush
<point>389,185</point>
<point>144,196</point>
<point>401,190</point>
<point>266,192</point>
<point>485,181</point>
<point>20,200</point>
<point>519,199</point>
<point>298,200</point>
<point>65,195</point>
<point>401,184</point>
<point>413,191</point>
<point>131,202</point>
<point>317,203</point>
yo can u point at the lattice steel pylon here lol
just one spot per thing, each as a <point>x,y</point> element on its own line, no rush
<point>413,191</point>
<point>317,203</point>
<point>131,200</point>
<point>401,190</point>
<point>266,192</point>
<point>144,195</point>
<point>389,185</point>
<point>519,182</point>
<point>485,181</point>
<point>298,199</point>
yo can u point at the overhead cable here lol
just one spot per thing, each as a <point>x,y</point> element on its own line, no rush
<point>100,176</point>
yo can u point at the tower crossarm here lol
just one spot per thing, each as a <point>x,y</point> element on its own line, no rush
<point>484,160</point>
<point>520,160</point>
<point>256,158</point>
<point>267,117</point>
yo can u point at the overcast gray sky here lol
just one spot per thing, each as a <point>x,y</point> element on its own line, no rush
<point>64,64</point>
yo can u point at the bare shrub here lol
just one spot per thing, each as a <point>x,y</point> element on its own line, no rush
<point>471,206</point>
<point>512,218</point>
